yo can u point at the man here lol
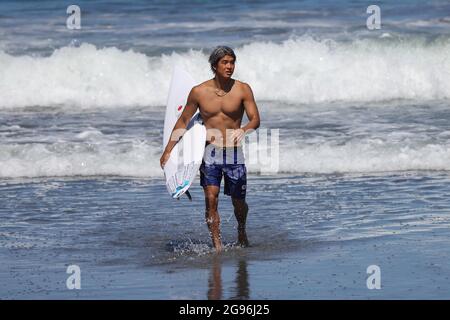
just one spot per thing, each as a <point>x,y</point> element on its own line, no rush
<point>221,102</point>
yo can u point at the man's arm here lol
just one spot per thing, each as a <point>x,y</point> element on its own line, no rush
<point>252,113</point>
<point>182,122</point>
<point>250,109</point>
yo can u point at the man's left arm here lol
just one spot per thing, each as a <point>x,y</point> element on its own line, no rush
<point>252,113</point>
<point>250,109</point>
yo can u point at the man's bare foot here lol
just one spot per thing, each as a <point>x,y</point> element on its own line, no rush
<point>242,237</point>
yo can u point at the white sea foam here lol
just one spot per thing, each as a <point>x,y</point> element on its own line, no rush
<point>140,159</point>
<point>89,134</point>
<point>135,158</point>
<point>371,155</point>
<point>300,70</point>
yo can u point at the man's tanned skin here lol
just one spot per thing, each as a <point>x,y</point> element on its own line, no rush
<point>221,102</point>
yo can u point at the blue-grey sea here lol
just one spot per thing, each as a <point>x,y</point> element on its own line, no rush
<point>363,171</point>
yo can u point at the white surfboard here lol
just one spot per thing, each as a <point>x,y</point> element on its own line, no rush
<point>186,157</point>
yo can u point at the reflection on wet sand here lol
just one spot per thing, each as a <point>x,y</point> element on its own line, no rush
<point>242,284</point>
<point>241,291</point>
<point>215,279</point>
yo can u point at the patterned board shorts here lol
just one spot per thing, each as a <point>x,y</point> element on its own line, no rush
<point>227,162</point>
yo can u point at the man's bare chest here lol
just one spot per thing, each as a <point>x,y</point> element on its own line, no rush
<point>230,105</point>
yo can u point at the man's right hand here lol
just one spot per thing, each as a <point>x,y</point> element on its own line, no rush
<point>164,158</point>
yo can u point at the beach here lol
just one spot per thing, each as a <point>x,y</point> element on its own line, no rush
<point>362,168</point>
<point>317,246</point>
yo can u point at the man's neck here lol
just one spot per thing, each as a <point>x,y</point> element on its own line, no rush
<point>223,83</point>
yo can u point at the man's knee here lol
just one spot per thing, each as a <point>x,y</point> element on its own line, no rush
<point>211,199</point>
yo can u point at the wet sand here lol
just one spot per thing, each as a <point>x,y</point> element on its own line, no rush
<point>312,237</point>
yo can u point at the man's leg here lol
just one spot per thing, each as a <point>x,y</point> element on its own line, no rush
<point>240,211</point>
<point>212,215</point>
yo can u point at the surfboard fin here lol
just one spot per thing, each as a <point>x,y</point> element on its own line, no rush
<point>188,194</point>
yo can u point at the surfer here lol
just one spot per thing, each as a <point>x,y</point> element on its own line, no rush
<point>221,102</point>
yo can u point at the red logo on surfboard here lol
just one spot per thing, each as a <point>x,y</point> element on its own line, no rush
<point>180,107</point>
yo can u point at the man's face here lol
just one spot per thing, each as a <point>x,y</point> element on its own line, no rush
<point>225,66</point>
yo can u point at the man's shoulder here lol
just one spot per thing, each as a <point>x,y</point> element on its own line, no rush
<point>201,87</point>
<point>243,86</point>
<point>197,89</point>
<point>204,84</point>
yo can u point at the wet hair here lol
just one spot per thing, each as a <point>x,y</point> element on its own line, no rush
<point>218,53</point>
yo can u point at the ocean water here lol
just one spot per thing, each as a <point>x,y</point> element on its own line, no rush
<point>364,155</point>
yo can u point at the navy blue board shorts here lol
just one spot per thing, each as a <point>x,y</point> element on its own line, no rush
<point>227,162</point>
